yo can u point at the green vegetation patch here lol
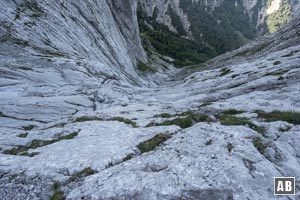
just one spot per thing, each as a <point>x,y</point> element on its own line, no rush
<point>259,144</point>
<point>151,144</point>
<point>125,121</point>
<point>19,150</point>
<point>234,75</point>
<point>277,73</point>
<point>57,195</point>
<point>186,120</point>
<point>164,115</point>
<point>277,62</point>
<point>285,129</point>
<point>28,128</point>
<point>225,71</point>
<point>206,104</point>
<point>281,78</point>
<point>181,122</point>
<point>229,120</point>
<point>253,50</point>
<point>54,53</point>
<point>288,55</point>
<point>237,85</point>
<point>261,67</point>
<point>82,174</point>
<point>56,185</point>
<point>25,68</point>
<point>232,112</point>
<point>3,115</point>
<point>145,68</point>
<point>26,153</point>
<point>278,19</point>
<point>22,135</point>
<point>128,157</point>
<point>165,42</point>
<point>32,8</point>
<point>120,119</point>
<point>288,116</point>
<point>88,118</point>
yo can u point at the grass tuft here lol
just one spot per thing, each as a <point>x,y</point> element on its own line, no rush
<point>285,129</point>
<point>81,174</point>
<point>186,120</point>
<point>225,71</point>
<point>88,118</point>
<point>2,114</point>
<point>277,62</point>
<point>228,120</point>
<point>125,121</point>
<point>151,144</point>
<point>120,119</point>
<point>28,128</point>
<point>234,75</point>
<point>164,115</point>
<point>29,154</point>
<point>290,117</point>
<point>128,157</point>
<point>277,73</point>
<point>57,195</point>
<point>288,55</point>
<point>259,145</point>
<point>22,135</point>
<point>232,112</point>
<point>206,104</point>
<point>22,150</point>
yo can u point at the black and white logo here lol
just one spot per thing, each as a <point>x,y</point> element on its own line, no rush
<point>284,186</point>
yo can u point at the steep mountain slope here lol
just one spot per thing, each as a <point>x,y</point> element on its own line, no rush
<point>91,31</point>
<point>54,53</point>
<point>219,152</point>
<point>77,120</point>
<point>205,29</point>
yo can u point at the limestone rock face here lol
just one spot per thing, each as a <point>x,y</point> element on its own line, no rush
<point>98,31</point>
<point>80,119</point>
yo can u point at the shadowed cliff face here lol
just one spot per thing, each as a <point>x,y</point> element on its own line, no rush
<point>205,29</point>
<point>124,13</point>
